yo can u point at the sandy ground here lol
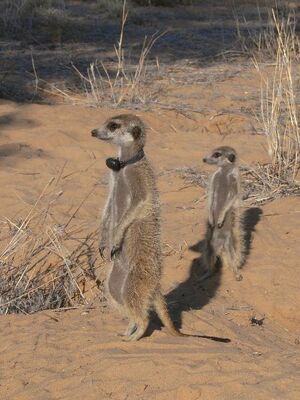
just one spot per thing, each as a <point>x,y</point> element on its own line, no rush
<point>76,354</point>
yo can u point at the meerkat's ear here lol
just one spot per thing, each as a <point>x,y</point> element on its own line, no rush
<point>136,132</point>
<point>231,157</point>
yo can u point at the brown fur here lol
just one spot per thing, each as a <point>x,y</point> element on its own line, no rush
<point>224,234</point>
<point>131,231</point>
<point>131,224</point>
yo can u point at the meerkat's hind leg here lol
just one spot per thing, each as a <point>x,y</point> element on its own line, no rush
<point>131,328</point>
<point>230,259</point>
<point>140,326</point>
<point>236,256</point>
<point>236,264</point>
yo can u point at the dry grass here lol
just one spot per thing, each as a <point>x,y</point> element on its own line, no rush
<point>45,264</point>
<point>113,8</point>
<point>259,37</point>
<point>119,83</point>
<point>26,18</point>
<point>114,84</point>
<point>279,115</point>
<point>164,3</point>
<point>275,49</point>
<point>191,176</point>
<point>259,185</point>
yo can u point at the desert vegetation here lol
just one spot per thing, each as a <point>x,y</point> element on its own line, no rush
<point>30,18</point>
<point>119,83</point>
<point>47,264</point>
<point>200,74</point>
<point>279,99</point>
<point>274,49</point>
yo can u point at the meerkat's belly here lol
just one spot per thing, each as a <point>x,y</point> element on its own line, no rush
<point>122,200</point>
<point>223,235</point>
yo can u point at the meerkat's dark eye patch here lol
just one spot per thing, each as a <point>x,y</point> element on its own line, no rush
<point>217,154</point>
<point>112,126</point>
<point>231,157</point>
<point>136,132</point>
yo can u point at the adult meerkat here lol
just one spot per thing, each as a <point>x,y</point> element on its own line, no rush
<point>131,228</point>
<point>223,236</point>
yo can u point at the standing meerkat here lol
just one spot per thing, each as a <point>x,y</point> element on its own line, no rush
<point>224,236</point>
<point>131,229</point>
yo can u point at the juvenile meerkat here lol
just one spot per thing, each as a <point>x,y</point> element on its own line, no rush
<point>224,236</point>
<point>131,228</point>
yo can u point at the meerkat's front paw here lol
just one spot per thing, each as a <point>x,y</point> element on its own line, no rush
<point>114,251</point>
<point>210,221</point>
<point>101,251</point>
<point>220,223</point>
<point>102,247</point>
<point>238,277</point>
<point>116,245</point>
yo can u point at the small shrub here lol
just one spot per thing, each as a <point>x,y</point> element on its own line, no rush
<point>45,264</point>
<point>279,111</point>
<point>53,22</point>
<point>119,83</point>
<point>164,3</point>
<point>23,18</point>
<point>274,39</point>
<point>113,8</point>
<point>259,37</point>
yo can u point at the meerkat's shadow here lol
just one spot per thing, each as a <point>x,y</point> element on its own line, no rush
<point>250,219</point>
<point>194,293</point>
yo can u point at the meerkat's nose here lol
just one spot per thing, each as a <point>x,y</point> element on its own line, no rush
<point>204,160</point>
<point>94,132</point>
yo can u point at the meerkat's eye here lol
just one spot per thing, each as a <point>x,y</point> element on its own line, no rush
<point>231,157</point>
<point>112,126</point>
<point>136,132</point>
<point>217,154</point>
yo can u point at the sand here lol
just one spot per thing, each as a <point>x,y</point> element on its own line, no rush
<point>76,354</point>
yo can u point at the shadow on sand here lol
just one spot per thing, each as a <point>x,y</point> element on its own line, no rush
<point>193,294</point>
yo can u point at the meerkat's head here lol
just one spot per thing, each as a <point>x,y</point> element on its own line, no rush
<point>221,156</point>
<point>123,130</point>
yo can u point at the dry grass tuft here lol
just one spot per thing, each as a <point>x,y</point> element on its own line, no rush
<point>27,18</point>
<point>259,184</point>
<point>191,176</point>
<point>115,84</point>
<point>275,49</point>
<point>113,8</point>
<point>120,83</point>
<point>279,103</point>
<point>259,37</point>
<point>45,264</point>
<point>164,3</point>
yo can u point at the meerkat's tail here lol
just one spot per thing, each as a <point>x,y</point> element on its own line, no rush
<point>162,311</point>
